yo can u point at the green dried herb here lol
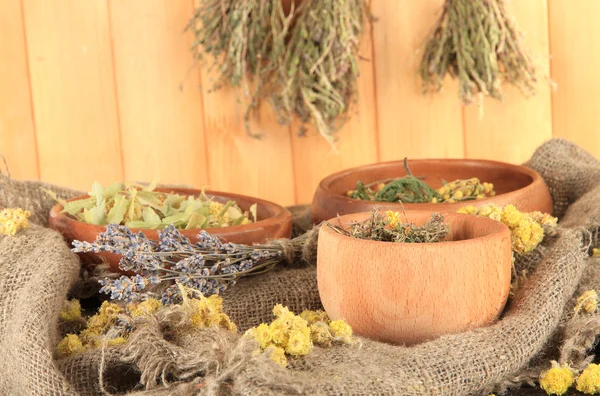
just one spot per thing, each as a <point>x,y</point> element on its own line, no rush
<point>389,228</point>
<point>138,206</point>
<point>477,42</point>
<point>304,63</point>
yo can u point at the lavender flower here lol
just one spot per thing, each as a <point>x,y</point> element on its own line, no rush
<point>208,266</point>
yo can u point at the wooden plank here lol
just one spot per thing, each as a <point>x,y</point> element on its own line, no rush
<point>161,125</point>
<point>511,130</point>
<point>575,65</point>
<point>314,158</point>
<point>410,123</point>
<point>73,92</point>
<point>17,132</point>
<point>238,162</point>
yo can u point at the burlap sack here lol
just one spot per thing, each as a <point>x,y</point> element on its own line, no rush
<point>537,325</point>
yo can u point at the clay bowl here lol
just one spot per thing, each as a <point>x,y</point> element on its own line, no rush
<point>514,184</point>
<point>274,222</point>
<point>407,293</point>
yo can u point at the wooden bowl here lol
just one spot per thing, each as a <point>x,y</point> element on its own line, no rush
<point>274,222</point>
<point>514,184</point>
<point>407,293</point>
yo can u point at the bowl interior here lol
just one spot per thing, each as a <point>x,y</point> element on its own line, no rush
<point>505,177</point>
<point>462,227</point>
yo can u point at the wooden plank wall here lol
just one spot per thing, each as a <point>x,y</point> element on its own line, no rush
<point>102,90</point>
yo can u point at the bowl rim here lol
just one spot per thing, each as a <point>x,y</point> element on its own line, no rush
<point>280,213</point>
<point>325,183</point>
<point>499,229</point>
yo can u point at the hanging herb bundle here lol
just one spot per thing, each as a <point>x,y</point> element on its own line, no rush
<point>305,62</point>
<point>477,42</point>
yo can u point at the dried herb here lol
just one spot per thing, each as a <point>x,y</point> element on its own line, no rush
<point>304,63</point>
<point>477,42</point>
<point>138,206</point>
<point>388,227</point>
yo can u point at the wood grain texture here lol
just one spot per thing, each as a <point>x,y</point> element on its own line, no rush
<point>314,158</point>
<point>73,92</point>
<point>511,130</point>
<point>160,122</point>
<point>17,133</point>
<point>359,280</point>
<point>575,65</point>
<point>241,163</point>
<point>411,124</point>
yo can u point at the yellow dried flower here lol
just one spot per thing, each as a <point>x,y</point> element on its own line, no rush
<point>393,218</point>
<point>511,216</point>
<point>280,311</point>
<point>280,332</point>
<point>214,208</point>
<point>596,252</point>
<point>299,342</point>
<point>144,308</point>
<point>208,311</point>
<point>277,355</point>
<point>71,311</point>
<point>587,302</point>
<point>106,317</point>
<point>12,220</point>
<point>69,345</point>
<point>262,335</point>
<point>557,380</point>
<point>469,209</point>
<point>589,380</point>
<point>223,321</point>
<point>339,328</point>
<point>116,341</point>
<point>298,323</point>
<point>314,316</point>
<point>320,334</point>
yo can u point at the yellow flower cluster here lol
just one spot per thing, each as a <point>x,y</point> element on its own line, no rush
<point>596,252</point>
<point>91,336</point>
<point>207,312</point>
<point>589,380</point>
<point>295,335</point>
<point>459,190</point>
<point>71,311</point>
<point>558,379</point>
<point>13,220</point>
<point>588,302</point>
<point>215,209</point>
<point>144,308</point>
<point>393,218</point>
<point>526,228</point>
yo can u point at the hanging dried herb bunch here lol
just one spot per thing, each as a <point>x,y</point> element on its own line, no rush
<point>478,42</point>
<point>305,62</point>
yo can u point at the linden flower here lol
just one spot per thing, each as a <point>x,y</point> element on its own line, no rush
<point>69,345</point>
<point>587,302</point>
<point>557,380</point>
<point>13,220</point>
<point>589,380</point>
<point>262,335</point>
<point>145,308</point>
<point>299,342</point>
<point>277,355</point>
<point>393,218</point>
<point>214,208</point>
<point>71,311</point>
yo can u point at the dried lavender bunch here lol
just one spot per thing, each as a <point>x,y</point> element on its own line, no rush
<point>390,228</point>
<point>477,42</point>
<point>208,266</point>
<point>305,62</point>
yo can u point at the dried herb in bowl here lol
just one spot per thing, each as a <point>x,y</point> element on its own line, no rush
<point>412,189</point>
<point>390,228</point>
<point>138,206</point>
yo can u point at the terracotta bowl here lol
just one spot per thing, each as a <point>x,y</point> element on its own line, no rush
<point>274,222</point>
<point>514,184</point>
<point>407,293</point>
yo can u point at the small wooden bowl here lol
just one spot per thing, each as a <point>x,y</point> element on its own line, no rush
<point>514,184</point>
<point>407,293</point>
<point>275,222</point>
